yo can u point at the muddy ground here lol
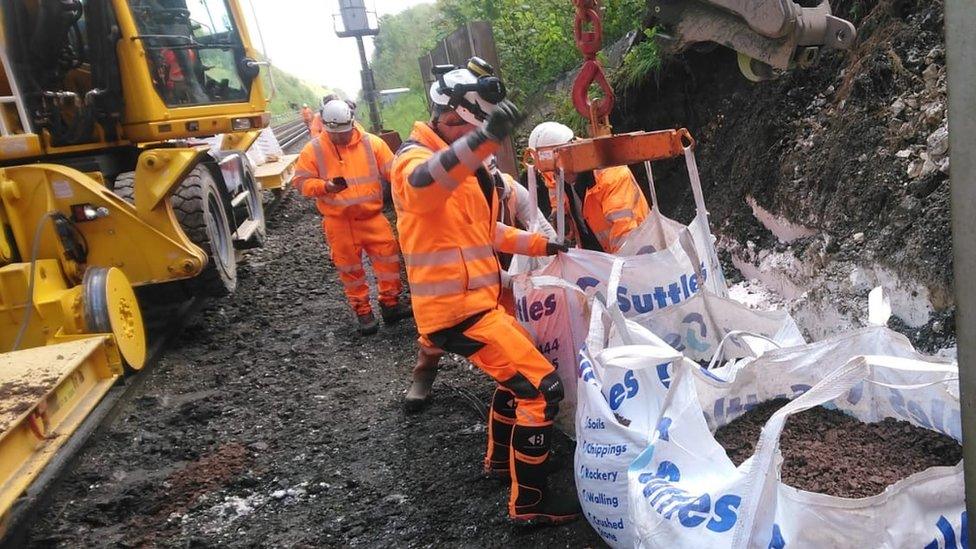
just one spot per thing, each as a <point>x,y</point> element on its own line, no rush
<point>269,422</point>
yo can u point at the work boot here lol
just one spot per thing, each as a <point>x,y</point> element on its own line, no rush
<point>531,503</point>
<point>395,313</point>
<point>368,325</point>
<point>501,418</point>
<point>418,395</point>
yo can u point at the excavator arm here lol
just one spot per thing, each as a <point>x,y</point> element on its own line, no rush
<point>767,34</point>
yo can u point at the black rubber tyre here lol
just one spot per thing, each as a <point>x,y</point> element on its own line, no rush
<point>200,212</point>
<point>125,187</point>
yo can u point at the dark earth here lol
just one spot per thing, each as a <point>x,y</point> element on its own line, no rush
<point>830,452</point>
<point>817,146</point>
<point>271,423</point>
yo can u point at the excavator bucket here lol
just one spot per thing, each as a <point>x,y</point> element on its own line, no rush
<point>767,34</point>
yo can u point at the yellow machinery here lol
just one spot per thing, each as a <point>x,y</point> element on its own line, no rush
<point>105,184</point>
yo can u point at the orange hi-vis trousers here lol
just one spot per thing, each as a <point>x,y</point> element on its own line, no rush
<point>497,344</point>
<point>348,239</point>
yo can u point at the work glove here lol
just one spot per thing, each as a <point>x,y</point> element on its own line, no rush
<point>553,248</point>
<point>503,120</point>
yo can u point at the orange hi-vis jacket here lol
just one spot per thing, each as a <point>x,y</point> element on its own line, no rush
<point>316,128</point>
<point>362,163</point>
<point>449,233</point>
<point>612,208</point>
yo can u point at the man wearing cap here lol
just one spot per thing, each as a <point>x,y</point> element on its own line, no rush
<point>344,168</point>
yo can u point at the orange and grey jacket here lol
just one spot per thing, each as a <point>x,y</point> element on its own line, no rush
<point>363,163</point>
<point>447,209</point>
<point>611,208</point>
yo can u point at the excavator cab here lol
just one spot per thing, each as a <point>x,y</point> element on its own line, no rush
<point>83,75</point>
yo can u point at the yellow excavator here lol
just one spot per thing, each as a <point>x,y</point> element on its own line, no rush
<point>106,184</point>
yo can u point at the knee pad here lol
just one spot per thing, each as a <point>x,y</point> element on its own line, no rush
<point>503,403</point>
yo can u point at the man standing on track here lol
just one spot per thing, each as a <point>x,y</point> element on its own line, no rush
<point>344,169</point>
<point>447,219</point>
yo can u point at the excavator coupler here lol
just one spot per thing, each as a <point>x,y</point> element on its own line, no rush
<point>767,34</point>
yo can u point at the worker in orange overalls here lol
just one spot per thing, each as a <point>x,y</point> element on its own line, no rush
<point>307,115</point>
<point>342,169</point>
<point>447,220</point>
<point>316,127</point>
<point>604,206</point>
<point>516,209</point>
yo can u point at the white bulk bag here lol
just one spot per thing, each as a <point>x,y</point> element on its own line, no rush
<point>685,492</point>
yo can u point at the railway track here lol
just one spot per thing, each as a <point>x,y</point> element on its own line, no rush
<point>290,133</point>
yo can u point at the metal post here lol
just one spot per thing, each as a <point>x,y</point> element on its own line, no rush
<point>369,89</point>
<point>960,18</point>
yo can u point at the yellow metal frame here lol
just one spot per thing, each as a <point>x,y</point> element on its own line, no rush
<point>144,241</point>
<point>275,176</point>
<point>52,390</point>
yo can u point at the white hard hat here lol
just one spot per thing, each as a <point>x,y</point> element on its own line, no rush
<point>550,134</point>
<point>304,105</point>
<point>470,106</point>
<point>337,116</point>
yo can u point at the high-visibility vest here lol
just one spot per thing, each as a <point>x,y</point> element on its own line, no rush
<point>449,235</point>
<point>362,163</point>
<point>612,208</point>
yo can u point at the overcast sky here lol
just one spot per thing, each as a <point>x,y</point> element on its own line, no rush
<point>300,39</point>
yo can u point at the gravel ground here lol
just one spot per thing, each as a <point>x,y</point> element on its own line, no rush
<point>830,452</point>
<point>271,423</point>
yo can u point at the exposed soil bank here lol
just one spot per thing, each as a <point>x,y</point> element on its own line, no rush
<point>829,180</point>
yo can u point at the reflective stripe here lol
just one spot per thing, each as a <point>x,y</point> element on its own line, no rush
<point>364,180</point>
<point>434,289</point>
<point>477,253</point>
<point>374,171</point>
<point>350,201</point>
<point>441,176</point>
<point>484,281</point>
<point>523,243</point>
<point>603,236</point>
<point>319,159</point>
<point>386,276</point>
<point>349,268</point>
<point>386,258</point>
<point>387,167</point>
<point>467,156</point>
<point>431,259</point>
<point>621,214</point>
<point>447,257</point>
<point>303,173</point>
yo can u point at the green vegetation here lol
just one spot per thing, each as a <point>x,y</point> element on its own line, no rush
<point>639,62</point>
<point>292,92</point>
<point>534,39</point>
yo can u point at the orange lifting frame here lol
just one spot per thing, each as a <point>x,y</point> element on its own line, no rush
<point>614,150</point>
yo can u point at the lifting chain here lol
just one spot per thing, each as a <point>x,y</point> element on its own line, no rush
<point>588,31</point>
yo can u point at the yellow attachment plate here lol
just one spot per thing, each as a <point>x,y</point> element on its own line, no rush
<point>277,174</point>
<point>126,319</point>
<point>45,394</point>
<point>147,244</point>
